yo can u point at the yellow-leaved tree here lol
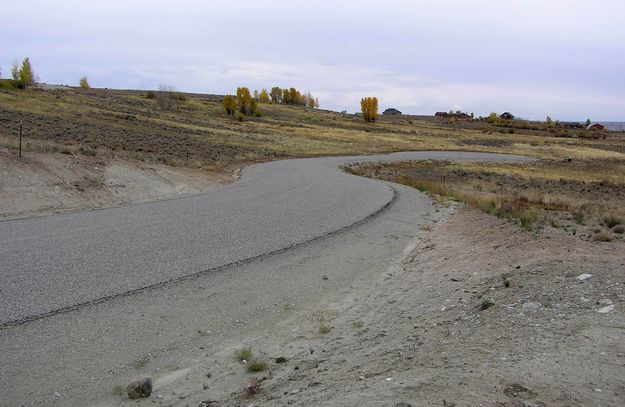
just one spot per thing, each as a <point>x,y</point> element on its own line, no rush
<point>369,109</point>
<point>230,104</point>
<point>84,83</point>
<point>264,96</point>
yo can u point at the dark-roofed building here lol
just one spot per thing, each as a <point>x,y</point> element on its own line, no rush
<point>570,125</point>
<point>596,127</point>
<point>453,115</point>
<point>391,111</point>
<point>506,116</point>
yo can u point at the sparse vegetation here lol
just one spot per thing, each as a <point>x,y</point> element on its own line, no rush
<point>140,362</point>
<point>604,236</point>
<point>243,353</point>
<point>324,329</point>
<point>168,97</point>
<point>281,359</point>
<point>256,365</point>
<point>358,324</point>
<point>530,194</point>
<point>84,83</point>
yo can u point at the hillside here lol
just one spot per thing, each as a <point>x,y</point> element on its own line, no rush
<point>104,129</point>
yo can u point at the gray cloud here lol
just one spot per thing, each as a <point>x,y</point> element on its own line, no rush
<point>562,58</point>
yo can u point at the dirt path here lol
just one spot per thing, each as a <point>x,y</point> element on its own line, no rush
<point>466,318</point>
<point>452,308</point>
<point>42,183</point>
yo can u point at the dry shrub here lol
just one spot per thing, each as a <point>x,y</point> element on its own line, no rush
<point>612,220</point>
<point>604,236</point>
<point>618,229</point>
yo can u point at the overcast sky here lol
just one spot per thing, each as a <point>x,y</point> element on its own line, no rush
<point>565,58</point>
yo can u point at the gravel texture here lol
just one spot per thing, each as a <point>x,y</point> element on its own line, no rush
<point>60,262</point>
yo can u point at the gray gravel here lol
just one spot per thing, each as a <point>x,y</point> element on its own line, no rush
<point>56,262</point>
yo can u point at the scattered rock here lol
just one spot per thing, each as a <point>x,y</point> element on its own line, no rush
<point>532,403</point>
<point>618,229</point>
<point>584,276</point>
<point>140,388</point>
<point>486,304</point>
<point>57,395</point>
<point>605,302</point>
<point>514,390</point>
<point>531,306</point>
<point>403,404</point>
<point>606,310</point>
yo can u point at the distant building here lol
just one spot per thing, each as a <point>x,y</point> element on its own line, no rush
<point>453,115</point>
<point>596,127</point>
<point>570,125</point>
<point>391,111</point>
<point>506,116</point>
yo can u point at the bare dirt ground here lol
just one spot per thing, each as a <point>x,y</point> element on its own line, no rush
<point>478,313</point>
<point>44,183</point>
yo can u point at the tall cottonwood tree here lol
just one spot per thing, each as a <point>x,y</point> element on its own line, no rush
<point>264,96</point>
<point>276,94</point>
<point>369,108</point>
<point>230,104</point>
<point>24,76</point>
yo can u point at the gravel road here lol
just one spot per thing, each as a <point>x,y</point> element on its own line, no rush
<point>61,261</point>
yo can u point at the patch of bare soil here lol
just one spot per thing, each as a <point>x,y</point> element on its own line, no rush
<point>479,313</point>
<point>42,183</point>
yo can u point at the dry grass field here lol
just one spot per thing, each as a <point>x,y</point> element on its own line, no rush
<point>197,133</point>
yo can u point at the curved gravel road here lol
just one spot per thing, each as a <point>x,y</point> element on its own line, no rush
<point>58,262</point>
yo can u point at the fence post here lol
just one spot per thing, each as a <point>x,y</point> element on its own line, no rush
<point>20,150</point>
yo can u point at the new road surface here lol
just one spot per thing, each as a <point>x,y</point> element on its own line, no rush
<point>60,262</point>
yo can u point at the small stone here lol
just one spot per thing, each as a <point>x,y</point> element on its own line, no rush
<point>605,302</point>
<point>57,395</point>
<point>531,306</point>
<point>403,404</point>
<point>140,388</point>
<point>606,310</point>
<point>584,276</point>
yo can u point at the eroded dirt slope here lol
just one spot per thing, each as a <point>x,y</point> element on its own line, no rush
<point>44,183</point>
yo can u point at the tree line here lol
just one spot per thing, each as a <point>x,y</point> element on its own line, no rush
<point>247,104</point>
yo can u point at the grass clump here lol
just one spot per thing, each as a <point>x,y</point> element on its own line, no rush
<point>604,236</point>
<point>612,220</point>
<point>118,390</point>
<point>256,365</point>
<point>358,324</point>
<point>141,362</point>
<point>243,353</point>
<point>281,359</point>
<point>324,329</point>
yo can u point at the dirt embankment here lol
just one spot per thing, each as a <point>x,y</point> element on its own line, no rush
<point>42,183</point>
<point>480,313</point>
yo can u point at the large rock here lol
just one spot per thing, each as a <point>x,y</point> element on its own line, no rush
<point>140,388</point>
